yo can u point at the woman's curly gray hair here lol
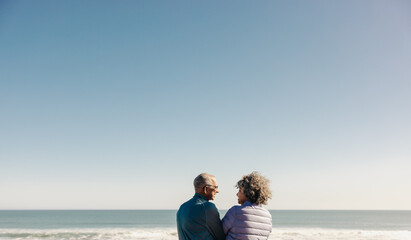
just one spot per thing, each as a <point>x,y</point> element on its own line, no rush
<point>255,187</point>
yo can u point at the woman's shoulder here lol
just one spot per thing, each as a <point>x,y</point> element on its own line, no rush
<point>255,209</point>
<point>233,209</point>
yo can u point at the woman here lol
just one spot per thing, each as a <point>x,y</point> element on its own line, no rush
<point>250,220</point>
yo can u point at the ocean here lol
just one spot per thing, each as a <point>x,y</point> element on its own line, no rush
<point>161,224</point>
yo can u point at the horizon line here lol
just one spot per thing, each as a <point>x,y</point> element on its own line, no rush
<point>169,209</point>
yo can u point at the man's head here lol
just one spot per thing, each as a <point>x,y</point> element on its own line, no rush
<point>206,185</point>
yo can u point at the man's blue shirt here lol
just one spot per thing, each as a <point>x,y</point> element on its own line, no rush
<point>198,219</point>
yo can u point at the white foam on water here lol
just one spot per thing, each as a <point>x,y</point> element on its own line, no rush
<point>90,234</point>
<point>337,234</point>
<point>171,234</point>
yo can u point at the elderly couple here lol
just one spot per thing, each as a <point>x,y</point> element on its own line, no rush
<point>198,219</point>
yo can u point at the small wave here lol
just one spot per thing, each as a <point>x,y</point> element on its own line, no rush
<point>338,234</point>
<point>171,234</point>
<point>89,234</point>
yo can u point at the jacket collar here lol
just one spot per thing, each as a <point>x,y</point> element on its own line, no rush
<point>247,203</point>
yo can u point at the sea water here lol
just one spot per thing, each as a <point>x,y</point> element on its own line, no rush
<point>161,224</point>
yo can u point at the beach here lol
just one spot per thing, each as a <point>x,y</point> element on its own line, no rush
<point>160,224</point>
<point>171,234</point>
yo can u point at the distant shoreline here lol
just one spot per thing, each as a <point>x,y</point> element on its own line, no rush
<point>373,210</point>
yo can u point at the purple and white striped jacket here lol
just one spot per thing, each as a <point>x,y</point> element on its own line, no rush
<point>248,221</point>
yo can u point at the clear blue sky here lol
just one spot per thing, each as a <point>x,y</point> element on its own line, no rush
<point>120,104</point>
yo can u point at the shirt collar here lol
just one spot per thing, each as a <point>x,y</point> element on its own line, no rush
<point>200,196</point>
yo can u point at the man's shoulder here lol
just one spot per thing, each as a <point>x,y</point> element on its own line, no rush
<point>193,203</point>
<point>210,209</point>
<point>187,204</point>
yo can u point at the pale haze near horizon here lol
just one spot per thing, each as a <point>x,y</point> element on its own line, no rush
<point>120,104</point>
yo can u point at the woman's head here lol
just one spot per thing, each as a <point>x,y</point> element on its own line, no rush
<point>255,187</point>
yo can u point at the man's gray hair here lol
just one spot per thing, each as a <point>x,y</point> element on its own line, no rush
<point>203,180</point>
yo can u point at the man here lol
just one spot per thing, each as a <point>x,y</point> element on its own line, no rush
<point>198,219</point>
